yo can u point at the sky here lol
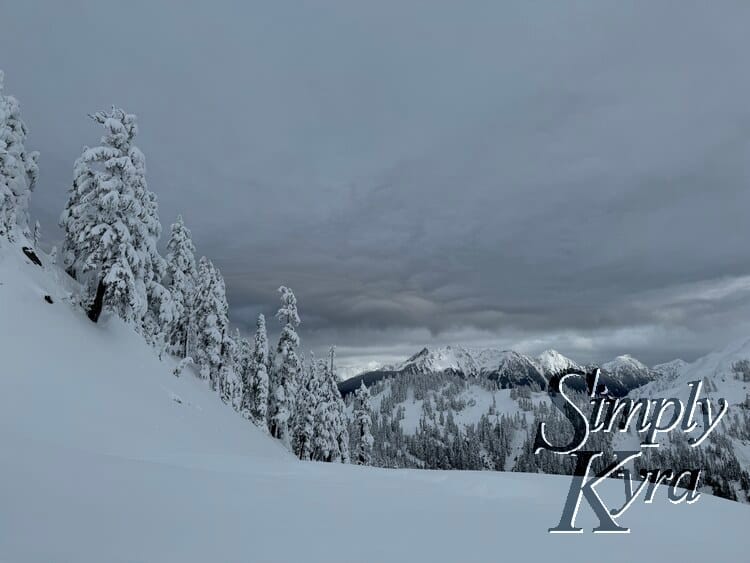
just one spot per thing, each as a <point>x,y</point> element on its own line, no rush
<point>509,174</point>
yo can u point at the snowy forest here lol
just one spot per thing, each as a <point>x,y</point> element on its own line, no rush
<point>176,302</point>
<point>453,431</point>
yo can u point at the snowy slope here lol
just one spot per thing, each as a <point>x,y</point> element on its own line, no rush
<point>670,370</point>
<point>723,377</point>
<point>718,367</point>
<point>98,387</point>
<point>108,457</point>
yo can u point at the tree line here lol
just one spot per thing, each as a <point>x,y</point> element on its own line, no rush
<point>177,303</point>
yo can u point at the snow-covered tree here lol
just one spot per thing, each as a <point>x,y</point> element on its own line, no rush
<point>181,279</point>
<point>342,432</point>
<point>37,234</point>
<point>230,382</point>
<point>18,168</point>
<point>255,401</point>
<point>285,370</point>
<point>331,437</point>
<point>111,227</point>
<point>210,321</point>
<point>160,311</point>
<point>243,358</point>
<point>308,397</point>
<point>363,426</point>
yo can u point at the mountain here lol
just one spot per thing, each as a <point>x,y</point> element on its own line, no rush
<point>625,373</point>
<point>507,368</point>
<point>448,358</point>
<point>515,370</point>
<point>449,408</point>
<point>110,457</point>
<point>552,362</point>
<point>725,373</point>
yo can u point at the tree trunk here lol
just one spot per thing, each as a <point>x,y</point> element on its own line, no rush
<point>96,307</point>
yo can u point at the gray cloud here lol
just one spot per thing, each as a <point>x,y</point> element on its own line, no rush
<point>490,173</point>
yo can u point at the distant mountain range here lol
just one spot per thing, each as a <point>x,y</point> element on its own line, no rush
<point>513,369</point>
<point>461,408</point>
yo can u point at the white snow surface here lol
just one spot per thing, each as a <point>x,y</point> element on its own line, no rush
<point>109,457</point>
<point>624,361</point>
<point>552,361</point>
<point>469,361</point>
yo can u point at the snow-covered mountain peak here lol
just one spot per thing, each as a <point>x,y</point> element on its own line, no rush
<point>444,358</point>
<point>625,361</point>
<point>552,361</point>
<point>469,361</point>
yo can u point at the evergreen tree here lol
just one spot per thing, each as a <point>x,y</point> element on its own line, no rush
<point>210,319</point>
<point>340,426</point>
<point>181,280</point>
<point>111,226</point>
<point>285,371</point>
<point>256,392</point>
<point>307,399</point>
<point>363,425</point>
<point>243,359</point>
<point>230,383</point>
<point>18,168</point>
<point>331,436</point>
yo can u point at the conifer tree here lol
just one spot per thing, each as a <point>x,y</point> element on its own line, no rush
<point>331,436</point>
<point>308,396</point>
<point>363,425</point>
<point>340,427</point>
<point>211,321</point>
<point>285,370</point>
<point>242,360</point>
<point>256,392</point>
<point>112,226</point>
<point>18,168</point>
<point>230,383</point>
<point>181,279</point>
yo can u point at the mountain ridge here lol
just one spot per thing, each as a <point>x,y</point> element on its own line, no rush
<point>508,367</point>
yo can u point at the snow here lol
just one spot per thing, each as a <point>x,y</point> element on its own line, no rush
<point>670,370</point>
<point>440,359</point>
<point>624,361</point>
<point>109,457</point>
<point>469,361</point>
<point>552,361</point>
<point>717,367</point>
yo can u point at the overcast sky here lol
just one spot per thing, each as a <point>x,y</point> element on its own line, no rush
<point>514,174</point>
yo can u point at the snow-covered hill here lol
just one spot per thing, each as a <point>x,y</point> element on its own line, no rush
<point>98,387</point>
<point>725,374</point>
<point>107,456</point>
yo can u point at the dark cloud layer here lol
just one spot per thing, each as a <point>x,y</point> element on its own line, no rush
<point>512,174</point>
